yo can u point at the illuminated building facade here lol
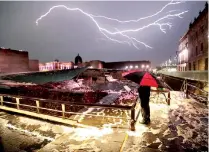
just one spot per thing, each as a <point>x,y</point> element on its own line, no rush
<point>183,53</point>
<point>193,48</point>
<point>55,65</point>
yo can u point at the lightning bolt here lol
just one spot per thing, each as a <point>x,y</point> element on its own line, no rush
<point>124,33</point>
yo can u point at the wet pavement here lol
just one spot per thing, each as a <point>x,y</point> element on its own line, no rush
<point>182,126</point>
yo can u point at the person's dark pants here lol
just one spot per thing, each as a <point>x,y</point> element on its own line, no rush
<point>145,109</point>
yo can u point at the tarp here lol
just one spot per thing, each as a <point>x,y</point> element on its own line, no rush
<point>45,77</point>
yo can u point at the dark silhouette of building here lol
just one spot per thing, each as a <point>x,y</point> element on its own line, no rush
<point>34,65</point>
<point>78,60</point>
<point>128,65</point>
<point>12,61</point>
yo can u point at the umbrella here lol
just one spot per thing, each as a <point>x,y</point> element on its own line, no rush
<point>130,71</point>
<point>143,78</point>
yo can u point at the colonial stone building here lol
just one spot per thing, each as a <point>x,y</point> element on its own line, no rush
<point>55,65</point>
<point>183,53</point>
<point>194,44</point>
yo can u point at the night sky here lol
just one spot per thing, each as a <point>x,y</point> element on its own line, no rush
<point>63,34</point>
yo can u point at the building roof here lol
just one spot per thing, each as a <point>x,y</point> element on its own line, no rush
<point>184,36</point>
<point>11,50</point>
<point>201,14</point>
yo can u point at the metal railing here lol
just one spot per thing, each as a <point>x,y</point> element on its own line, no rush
<point>188,87</point>
<point>190,75</point>
<point>63,107</point>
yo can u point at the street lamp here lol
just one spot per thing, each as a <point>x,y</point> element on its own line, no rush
<point>131,66</point>
<point>136,66</point>
<point>147,66</point>
<point>142,66</point>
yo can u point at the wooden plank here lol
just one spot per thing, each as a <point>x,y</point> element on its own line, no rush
<point>1,100</point>
<point>63,110</point>
<point>45,117</point>
<point>18,103</point>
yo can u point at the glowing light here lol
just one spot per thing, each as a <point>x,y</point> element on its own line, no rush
<point>126,67</point>
<point>142,66</point>
<point>154,70</point>
<point>147,66</point>
<point>129,40</point>
<point>131,66</point>
<point>172,70</point>
<point>136,66</point>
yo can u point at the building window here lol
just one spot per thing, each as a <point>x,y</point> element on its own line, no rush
<point>194,66</point>
<point>182,59</point>
<point>192,38</point>
<point>202,29</point>
<point>201,47</point>
<point>187,45</point>
<point>198,64</point>
<point>206,64</point>
<point>196,34</point>
<point>190,66</point>
<point>196,51</point>
<point>192,52</point>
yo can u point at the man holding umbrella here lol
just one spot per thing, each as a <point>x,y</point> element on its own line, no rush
<point>144,95</point>
<point>146,81</point>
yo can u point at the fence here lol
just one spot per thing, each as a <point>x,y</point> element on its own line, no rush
<point>190,75</point>
<point>60,109</point>
<point>189,89</point>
